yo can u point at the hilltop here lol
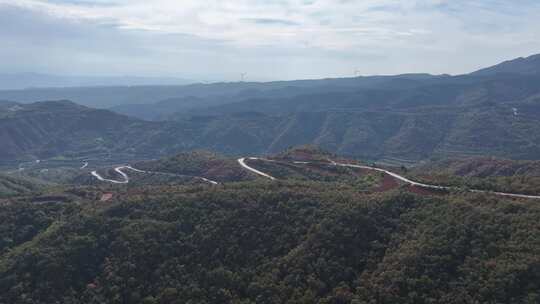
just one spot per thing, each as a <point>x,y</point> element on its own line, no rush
<point>528,65</point>
<point>240,242</point>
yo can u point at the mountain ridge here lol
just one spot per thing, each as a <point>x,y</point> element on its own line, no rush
<point>423,117</point>
<point>521,65</point>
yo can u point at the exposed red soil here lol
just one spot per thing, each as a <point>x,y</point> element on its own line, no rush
<point>388,183</point>
<point>223,171</point>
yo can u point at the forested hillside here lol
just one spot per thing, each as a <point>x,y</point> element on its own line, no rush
<point>400,119</point>
<point>317,233</point>
<point>199,163</point>
<point>491,174</point>
<point>270,152</point>
<point>12,186</point>
<point>487,116</point>
<point>478,130</point>
<point>61,128</point>
<point>287,242</point>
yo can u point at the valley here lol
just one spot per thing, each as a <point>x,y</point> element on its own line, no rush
<point>269,152</point>
<point>402,119</point>
<point>411,188</point>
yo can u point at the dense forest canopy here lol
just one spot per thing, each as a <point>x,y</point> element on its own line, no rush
<point>266,242</point>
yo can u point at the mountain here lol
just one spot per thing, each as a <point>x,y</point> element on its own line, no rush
<point>101,207</point>
<point>55,128</point>
<point>271,242</point>
<point>237,93</point>
<point>162,109</point>
<point>320,233</point>
<point>527,66</point>
<point>111,96</point>
<point>100,97</point>
<point>131,95</point>
<point>493,116</point>
<point>399,119</point>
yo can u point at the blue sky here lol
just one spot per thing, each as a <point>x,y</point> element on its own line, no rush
<point>267,39</point>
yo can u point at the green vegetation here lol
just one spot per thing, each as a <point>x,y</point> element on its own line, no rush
<point>283,242</point>
<point>489,174</point>
<point>320,233</point>
<point>198,163</point>
<point>392,119</point>
<point>20,222</point>
<point>13,185</point>
<point>285,170</point>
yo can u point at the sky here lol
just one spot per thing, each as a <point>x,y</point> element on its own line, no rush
<point>266,39</point>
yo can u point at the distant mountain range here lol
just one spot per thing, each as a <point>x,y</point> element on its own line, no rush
<point>112,96</point>
<point>150,98</point>
<point>18,81</point>
<point>397,119</point>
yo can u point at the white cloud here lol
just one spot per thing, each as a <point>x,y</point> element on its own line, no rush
<point>379,36</point>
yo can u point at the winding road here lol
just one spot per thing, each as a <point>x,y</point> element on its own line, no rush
<point>125,177</point>
<point>401,178</point>
<point>242,162</point>
<point>119,171</point>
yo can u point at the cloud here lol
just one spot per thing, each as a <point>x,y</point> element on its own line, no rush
<point>268,21</point>
<point>271,38</point>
